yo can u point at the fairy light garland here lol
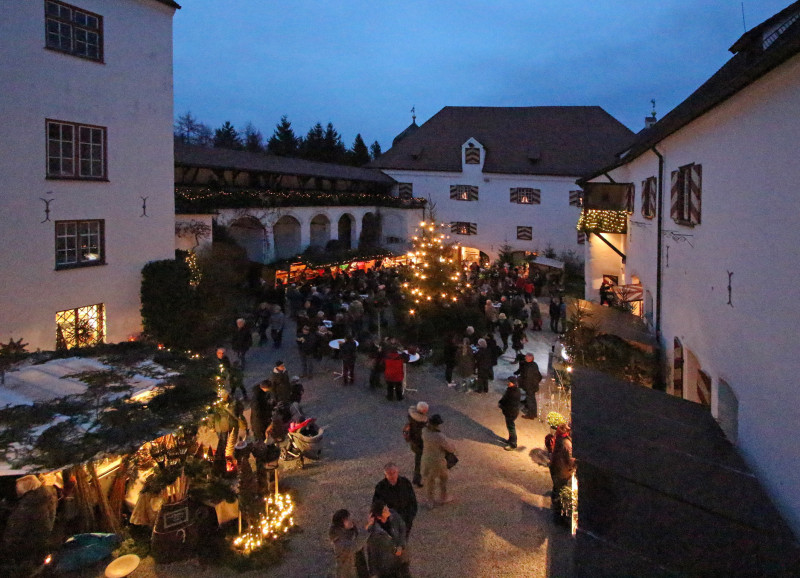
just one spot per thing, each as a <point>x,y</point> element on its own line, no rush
<point>275,522</point>
<point>603,221</point>
<point>434,272</point>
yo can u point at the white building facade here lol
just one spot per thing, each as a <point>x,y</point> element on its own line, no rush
<point>729,275</point>
<point>504,176</point>
<point>88,171</point>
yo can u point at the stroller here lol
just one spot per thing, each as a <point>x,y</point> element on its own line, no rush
<point>304,441</point>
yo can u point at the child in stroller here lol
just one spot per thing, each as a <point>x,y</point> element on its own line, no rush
<point>304,437</point>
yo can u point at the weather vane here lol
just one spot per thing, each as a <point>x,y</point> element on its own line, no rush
<point>653,102</point>
<point>414,114</point>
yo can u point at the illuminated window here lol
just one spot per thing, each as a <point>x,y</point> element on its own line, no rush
<point>74,31</point>
<point>463,192</point>
<point>80,327</point>
<point>526,196</point>
<point>80,244</point>
<point>75,150</point>
<point>462,228</point>
<point>576,198</point>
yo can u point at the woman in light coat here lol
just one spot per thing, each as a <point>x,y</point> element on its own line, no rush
<point>434,465</point>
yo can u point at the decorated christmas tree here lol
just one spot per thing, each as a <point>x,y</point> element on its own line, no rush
<point>435,276</point>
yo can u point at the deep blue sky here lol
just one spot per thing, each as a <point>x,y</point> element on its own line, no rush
<point>362,64</point>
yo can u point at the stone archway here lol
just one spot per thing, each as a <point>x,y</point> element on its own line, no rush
<point>345,231</point>
<point>320,231</point>
<point>250,234</point>
<point>286,232</point>
<point>370,230</point>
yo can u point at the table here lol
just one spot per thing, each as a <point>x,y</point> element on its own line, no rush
<point>334,344</point>
<point>412,358</point>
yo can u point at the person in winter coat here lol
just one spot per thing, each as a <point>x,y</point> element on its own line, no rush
<point>483,365</point>
<point>386,555</point>
<point>394,372</point>
<point>490,313</point>
<point>307,346</point>
<point>434,465</point>
<point>510,404</point>
<point>344,537</point>
<point>347,353</point>
<point>529,379</point>
<point>504,326</point>
<point>450,355</point>
<point>555,314</point>
<point>465,361</point>
<point>397,492</point>
<point>562,467</point>
<point>242,341</point>
<point>536,315</point>
<point>227,421</point>
<point>261,408</point>
<point>518,337</point>
<point>263,315</point>
<point>277,321</point>
<point>281,388</point>
<point>417,419</point>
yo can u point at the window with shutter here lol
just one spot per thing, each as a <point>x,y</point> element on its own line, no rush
<point>525,196</point>
<point>472,155</point>
<point>704,387</point>
<point>405,191</point>
<point>649,197</point>
<point>685,194</point>
<point>581,238</point>
<point>630,193</point>
<point>463,192</point>
<point>677,368</point>
<point>463,228</point>
<point>576,198</point>
<point>524,233</point>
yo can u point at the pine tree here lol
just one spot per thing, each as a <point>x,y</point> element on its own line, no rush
<point>334,149</point>
<point>226,137</point>
<point>375,150</point>
<point>253,139</point>
<point>283,142</point>
<point>313,146</point>
<point>359,154</point>
<point>435,277</point>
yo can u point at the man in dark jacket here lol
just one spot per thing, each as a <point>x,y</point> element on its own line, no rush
<point>529,378</point>
<point>386,557</point>
<point>307,346</point>
<point>509,405</point>
<point>281,388</point>
<point>417,419</point>
<point>398,493</point>
<point>347,353</point>
<point>242,341</point>
<point>483,366</point>
<point>261,409</point>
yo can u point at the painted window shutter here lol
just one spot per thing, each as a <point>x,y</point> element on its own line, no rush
<point>405,190</point>
<point>576,198</point>
<point>649,197</point>
<point>526,196</point>
<point>524,233</point>
<point>675,196</point>
<point>704,387</point>
<point>629,199</point>
<point>695,191</point>
<point>677,368</point>
<point>464,192</point>
<point>472,155</point>
<point>463,228</point>
<point>581,238</point>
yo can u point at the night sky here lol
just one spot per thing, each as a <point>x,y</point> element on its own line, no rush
<point>363,64</point>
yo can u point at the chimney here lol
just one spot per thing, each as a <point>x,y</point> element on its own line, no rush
<point>649,121</point>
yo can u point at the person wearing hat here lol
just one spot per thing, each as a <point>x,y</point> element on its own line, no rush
<point>417,419</point>
<point>562,467</point>
<point>434,465</point>
<point>509,404</point>
<point>281,388</point>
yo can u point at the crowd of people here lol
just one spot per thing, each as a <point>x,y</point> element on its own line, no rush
<point>336,317</point>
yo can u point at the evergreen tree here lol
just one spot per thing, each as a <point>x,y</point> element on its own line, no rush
<point>334,149</point>
<point>226,137</point>
<point>435,277</point>
<point>283,142</point>
<point>253,139</point>
<point>313,147</point>
<point>375,150</point>
<point>359,154</point>
<point>187,129</point>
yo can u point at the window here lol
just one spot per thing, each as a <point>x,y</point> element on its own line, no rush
<point>405,191</point>
<point>472,155</point>
<point>524,233</point>
<point>685,194</point>
<point>74,31</point>
<point>630,195</point>
<point>75,150</point>
<point>649,197</point>
<point>463,192</point>
<point>576,198</point>
<point>526,196</point>
<point>581,238</point>
<point>462,228</point>
<point>80,244</point>
<point>80,327</point>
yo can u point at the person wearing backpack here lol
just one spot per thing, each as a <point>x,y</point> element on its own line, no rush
<point>417,418</point>
<point>529,378</point>
<point>393,373</point>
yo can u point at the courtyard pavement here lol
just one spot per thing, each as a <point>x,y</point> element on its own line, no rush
<point>499,524</point>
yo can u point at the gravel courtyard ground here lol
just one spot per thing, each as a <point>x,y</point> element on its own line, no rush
<point>499,524</point>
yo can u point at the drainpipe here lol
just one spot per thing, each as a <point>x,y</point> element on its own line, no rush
<point>660,383</point>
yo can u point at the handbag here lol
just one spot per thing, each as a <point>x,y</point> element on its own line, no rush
<point>451,459</point>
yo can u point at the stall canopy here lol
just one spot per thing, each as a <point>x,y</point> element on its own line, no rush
<point>662,492</point>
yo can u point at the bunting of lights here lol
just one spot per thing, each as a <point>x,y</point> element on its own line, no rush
<point>274,522</point>
<point>603,221</point>
<point>435,277</point>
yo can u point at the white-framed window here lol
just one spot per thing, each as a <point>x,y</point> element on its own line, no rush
<point>75,151</point>
<point>80,327</point>
<point>73,30</point>
<point>80,243</point>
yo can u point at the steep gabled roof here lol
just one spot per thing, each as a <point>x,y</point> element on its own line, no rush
<point>533,140</point>
<point>757,52</point>
<point>197,156</point>
<point>170,3</point>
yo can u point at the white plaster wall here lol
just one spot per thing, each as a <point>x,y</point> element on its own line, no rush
<point>553,221</point>
<point>602,260</point>
<point>188,242</point>
<point>750,227</point>
<point>131,95</point>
